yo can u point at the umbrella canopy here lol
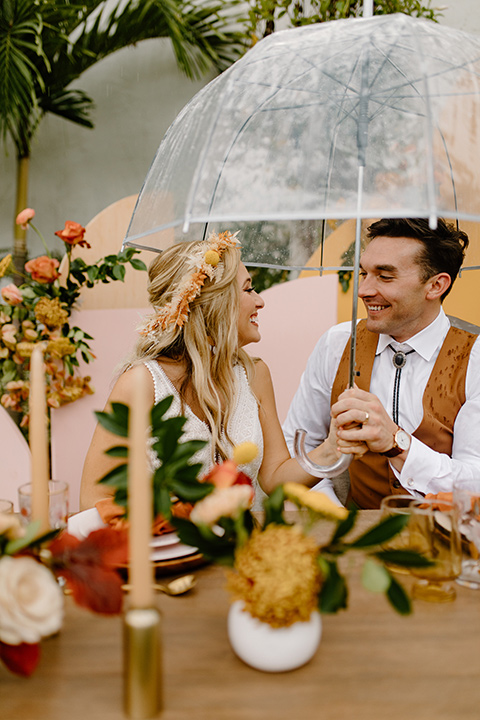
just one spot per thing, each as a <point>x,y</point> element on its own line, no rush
<point>282,133</point>
<point>357,118</point>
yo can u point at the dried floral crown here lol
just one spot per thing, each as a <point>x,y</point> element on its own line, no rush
<point>204,263</point>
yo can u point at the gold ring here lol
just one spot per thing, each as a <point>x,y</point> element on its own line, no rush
<point>366,418</point>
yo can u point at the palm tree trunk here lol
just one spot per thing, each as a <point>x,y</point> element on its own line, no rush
<point>20,235</point>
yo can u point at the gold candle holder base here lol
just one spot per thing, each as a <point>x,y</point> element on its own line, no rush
<point>142,663</point>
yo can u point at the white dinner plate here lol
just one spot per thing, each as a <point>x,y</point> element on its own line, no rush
<point>173,551</point>
<point>170,538</point>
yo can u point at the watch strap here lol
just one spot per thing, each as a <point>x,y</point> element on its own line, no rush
<point>395,449</point>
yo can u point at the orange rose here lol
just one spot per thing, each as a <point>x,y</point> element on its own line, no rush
<point>43,269</point>
<point>73,234</point>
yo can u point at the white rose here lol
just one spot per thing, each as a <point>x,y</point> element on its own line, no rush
<point>31,601</point>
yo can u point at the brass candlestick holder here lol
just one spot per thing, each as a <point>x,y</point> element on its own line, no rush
<point>142,663</point>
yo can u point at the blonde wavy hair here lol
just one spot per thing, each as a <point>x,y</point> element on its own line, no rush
<point>208,341</point>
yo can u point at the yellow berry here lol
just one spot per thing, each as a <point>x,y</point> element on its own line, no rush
<point>212,257</point>
<point>244,453</point>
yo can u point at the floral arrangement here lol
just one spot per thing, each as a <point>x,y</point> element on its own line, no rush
<point>31,596</point>
<point>38,311</point>
<point>277,567</point>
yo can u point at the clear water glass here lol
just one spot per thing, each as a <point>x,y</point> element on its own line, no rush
<point>466,499</point>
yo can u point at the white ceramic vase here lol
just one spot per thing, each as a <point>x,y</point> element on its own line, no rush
<point>272,649</point>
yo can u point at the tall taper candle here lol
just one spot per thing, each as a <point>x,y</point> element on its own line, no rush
<point>140,510</point>
<point>39,439</point>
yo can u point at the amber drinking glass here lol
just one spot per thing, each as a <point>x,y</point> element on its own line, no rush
<point>434,533</point>
<point>397,505</point>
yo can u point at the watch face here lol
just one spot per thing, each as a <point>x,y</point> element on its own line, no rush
<point>402,439</point>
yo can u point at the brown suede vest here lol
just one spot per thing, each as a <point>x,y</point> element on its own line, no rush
<point>371,477</point>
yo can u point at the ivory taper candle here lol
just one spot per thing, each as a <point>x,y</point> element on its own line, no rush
<point>140,496</point>
<point>39,439</point>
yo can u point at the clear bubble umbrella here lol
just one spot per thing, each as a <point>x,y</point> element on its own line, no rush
<point>357,118</point>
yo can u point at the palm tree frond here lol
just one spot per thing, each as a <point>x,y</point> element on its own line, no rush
<point>73,105</point>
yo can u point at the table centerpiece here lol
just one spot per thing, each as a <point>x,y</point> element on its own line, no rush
<point>278,574</point>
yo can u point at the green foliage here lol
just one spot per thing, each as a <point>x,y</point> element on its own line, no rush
<point>273,506</point>
<point>375,576</point>
<point>45,46</point>
<point>263,15</point>
<point>334,595</point>
<point>176,475</point>
<point>264,278</point>
<point>31,539</point>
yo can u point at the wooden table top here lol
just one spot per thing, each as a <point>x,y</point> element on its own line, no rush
<point>372,664</point>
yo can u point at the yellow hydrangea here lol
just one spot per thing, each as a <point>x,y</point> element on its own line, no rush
<point>277,575</point>
<point>24,349</point>
<point>50,312</point>
<point>59,347</point>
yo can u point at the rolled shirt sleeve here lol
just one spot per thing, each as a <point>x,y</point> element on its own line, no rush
<point>427,471</point>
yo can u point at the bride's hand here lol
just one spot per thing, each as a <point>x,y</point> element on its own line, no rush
<point>347,447</point>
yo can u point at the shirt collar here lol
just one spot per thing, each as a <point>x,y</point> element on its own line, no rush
<point>426,342</point>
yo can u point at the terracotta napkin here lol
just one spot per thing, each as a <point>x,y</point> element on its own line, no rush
<point>113,515</point>
<point>445,496</point>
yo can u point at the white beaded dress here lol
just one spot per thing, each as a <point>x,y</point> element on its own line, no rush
<point>244,424</point>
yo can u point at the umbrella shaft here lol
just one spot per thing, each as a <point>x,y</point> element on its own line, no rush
<point>358,232</point>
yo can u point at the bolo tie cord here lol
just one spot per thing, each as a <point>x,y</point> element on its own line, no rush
<point>399,360</point>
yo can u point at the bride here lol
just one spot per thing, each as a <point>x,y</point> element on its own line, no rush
<point>205,310</point>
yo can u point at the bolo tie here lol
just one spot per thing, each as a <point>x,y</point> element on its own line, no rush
<point>399,360</point>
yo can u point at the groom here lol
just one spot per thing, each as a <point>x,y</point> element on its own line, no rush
<point>416,404</point>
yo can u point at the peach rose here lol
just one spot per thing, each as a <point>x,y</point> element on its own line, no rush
<point>12,295</point>
<point>73,234</point>
<point>43,269</point>
<point>24,217</point>
<point>222,502</point>
<point>8,335</point>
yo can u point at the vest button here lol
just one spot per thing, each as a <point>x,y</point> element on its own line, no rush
<point>396,483</point>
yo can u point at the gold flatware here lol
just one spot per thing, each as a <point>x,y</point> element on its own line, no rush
<point>179,586</point>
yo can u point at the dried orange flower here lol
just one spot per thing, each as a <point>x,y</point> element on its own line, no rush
<point>204,263</point>
<point>5,264</point>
